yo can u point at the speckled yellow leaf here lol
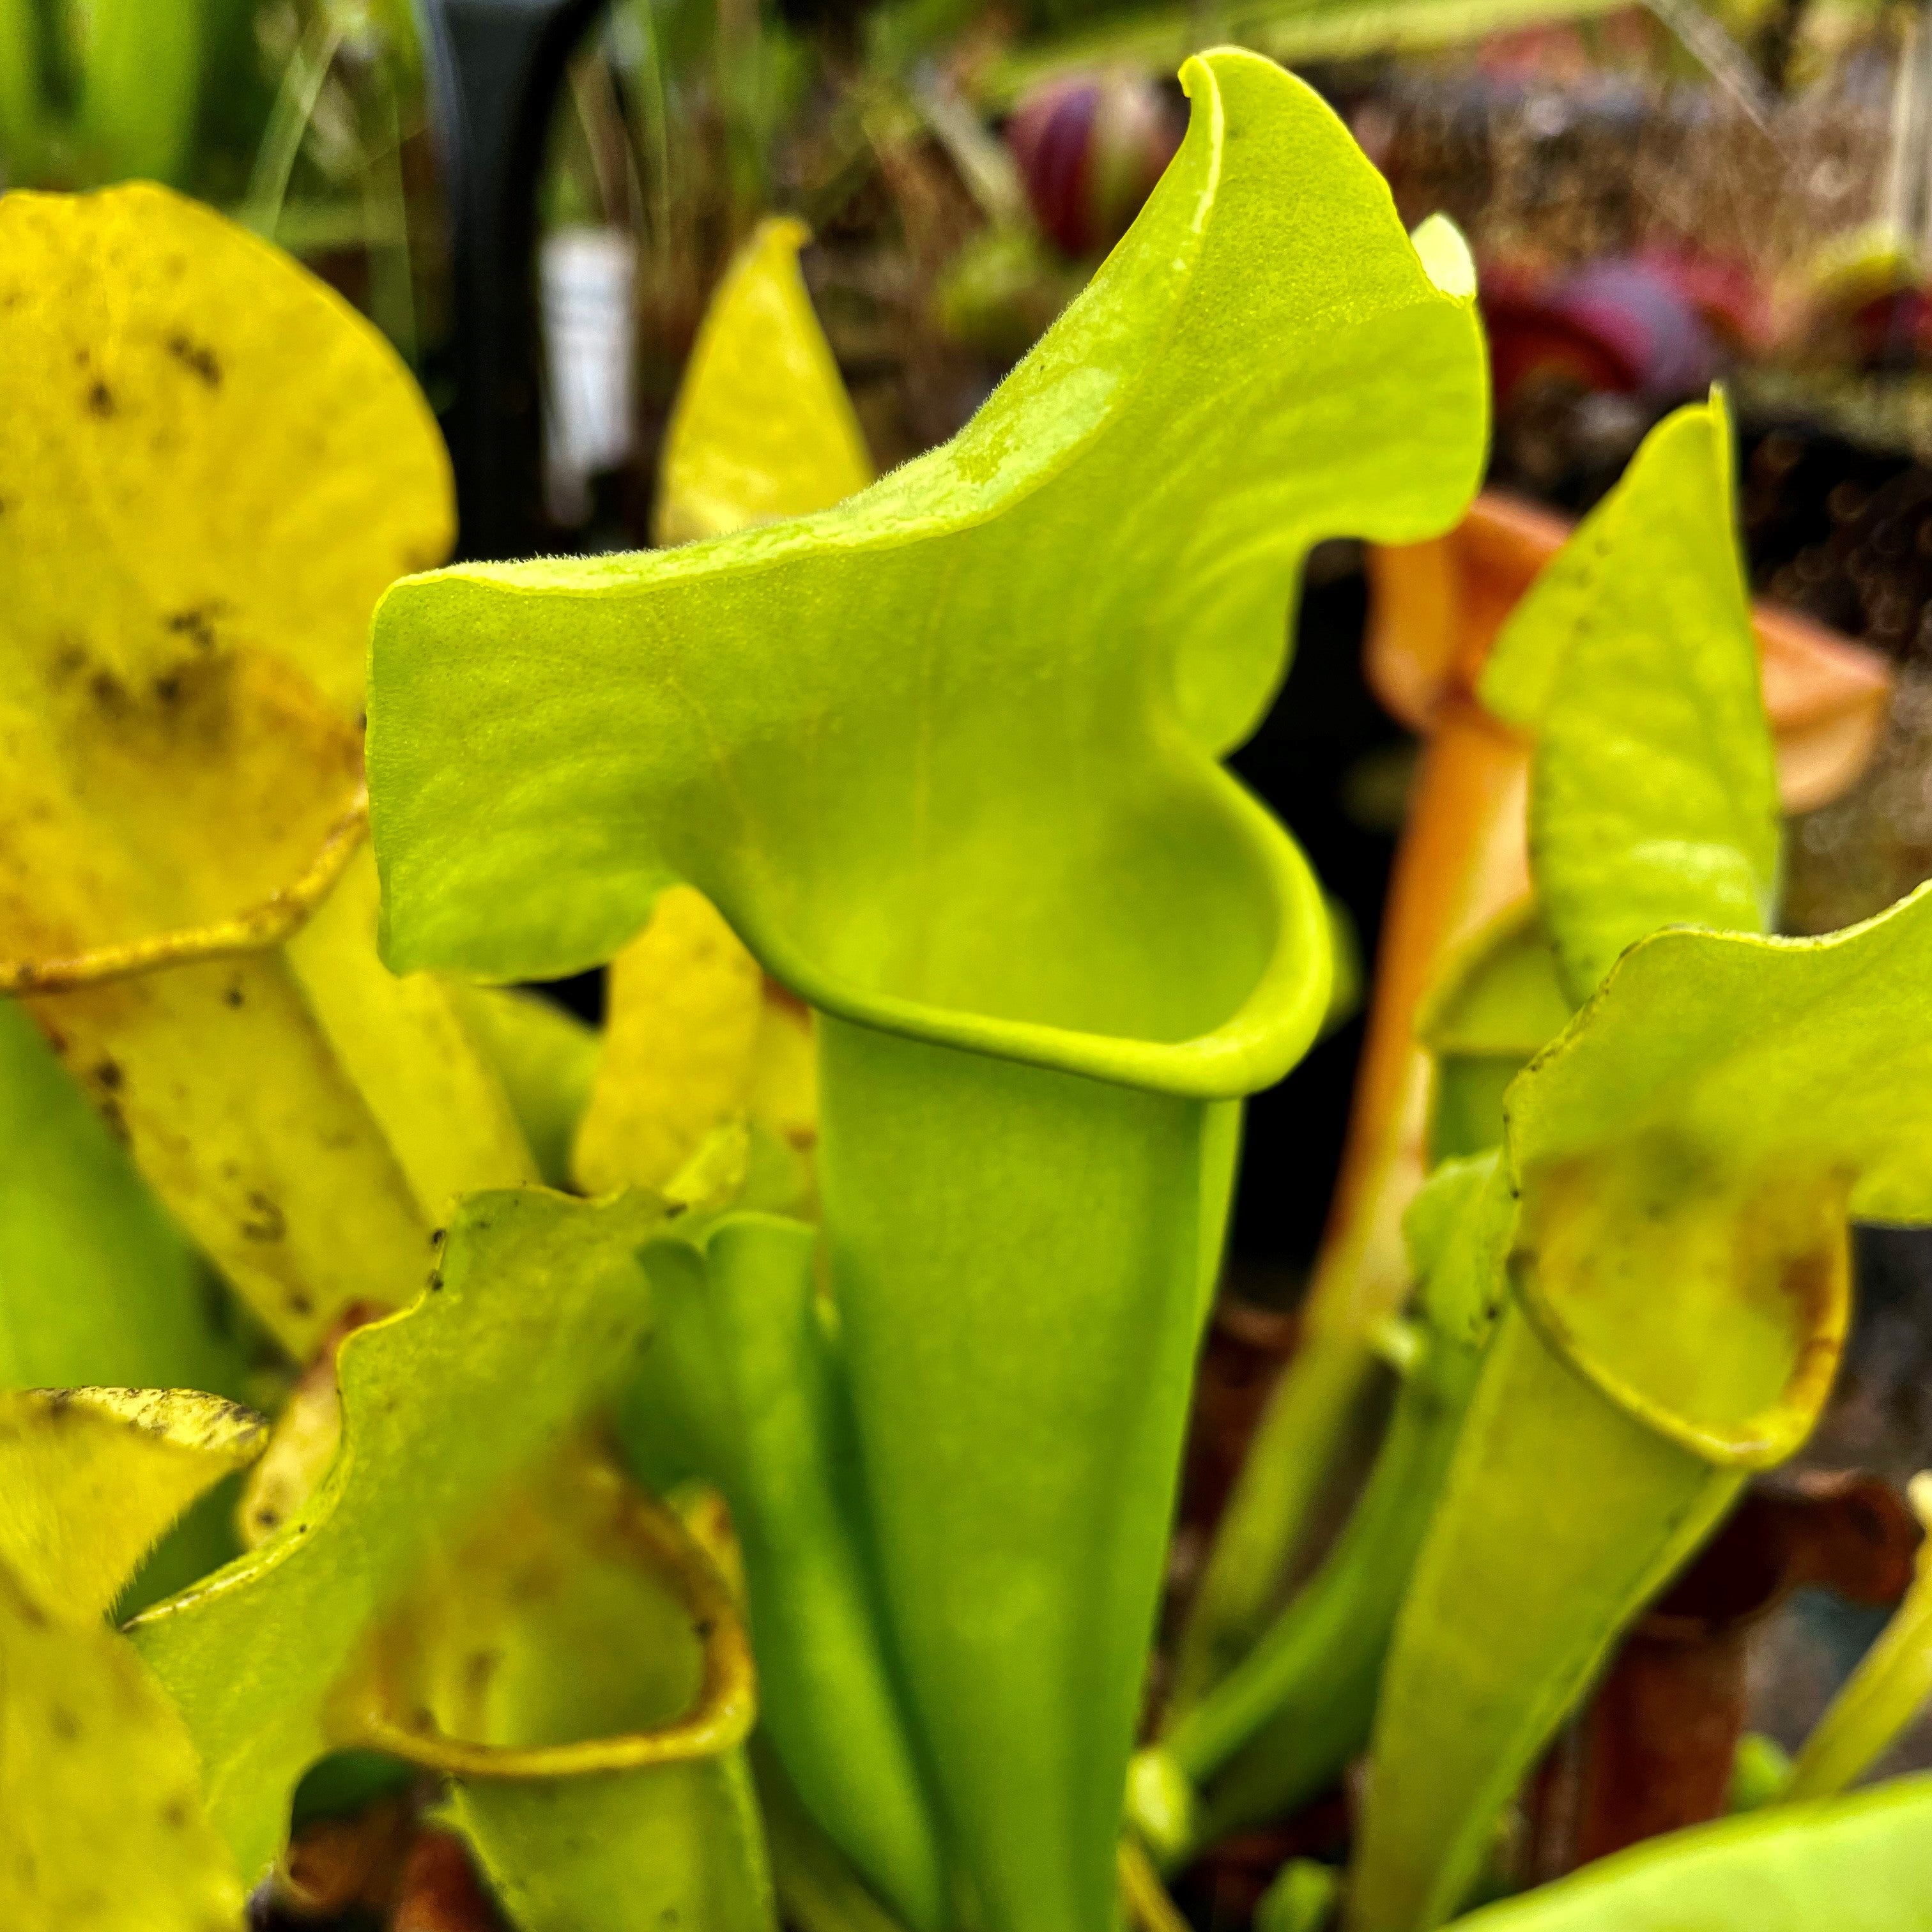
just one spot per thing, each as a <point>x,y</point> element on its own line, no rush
<point>762,427</point>
<point>104,1829</point>
<point>210,467</point>
<point>204,448</point>
<point>89,1478</point>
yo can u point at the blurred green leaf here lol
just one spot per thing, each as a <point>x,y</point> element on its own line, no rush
<point>944,759</point>
<point>539,1310</point>
<point>1857,1865</point>
<point>1654,793</point>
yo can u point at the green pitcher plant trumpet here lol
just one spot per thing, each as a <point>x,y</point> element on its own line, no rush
<point>964,801</point>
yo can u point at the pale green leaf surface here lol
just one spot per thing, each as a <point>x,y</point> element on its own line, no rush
<point>1572,1513</point>
<point>1681,1294</point>
<point>1857,1865</point>
<point>90,1478</point>
<point>942,757</point>
<point>817,1888</point>
<point>593,1855</point>
<point>1494,1005</point>
<point>1465,1105</point>
<point>96,1285</point>
<point>937,754</point>
<point>541,1309</point>
<point>762,427</point>
<point>103,1826</point>
<point>1763,1051</point>
<point>1654,793</point>
<point>1499,998</point>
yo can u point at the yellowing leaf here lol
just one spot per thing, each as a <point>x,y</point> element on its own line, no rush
<point>685,1002</point>
<point>90,1477</point>
<point>103,1826</point>
<point>302,1446</point>
<point>783,1095</point>
<point>204,448</point>
<point>237,1112</point>
<point>401,1041</point>
<point>210,466</point>
<point>762,427</point>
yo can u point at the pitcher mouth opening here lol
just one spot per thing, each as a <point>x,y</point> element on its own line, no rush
<point>1264,1035</point>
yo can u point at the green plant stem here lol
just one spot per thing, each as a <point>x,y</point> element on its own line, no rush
<point>1321,1401</point>
<point>1283,1724</point>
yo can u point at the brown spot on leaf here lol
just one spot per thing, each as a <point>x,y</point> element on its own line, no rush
<point>265,1221</point>
<point>63,1723</point>
<point>197,358</point>
<point>232,995</point>
<point>100,400</point>
<point>196,623</point>
<point>108,1073</point>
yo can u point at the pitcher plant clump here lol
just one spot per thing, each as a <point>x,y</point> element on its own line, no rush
<point>717,1468</point>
